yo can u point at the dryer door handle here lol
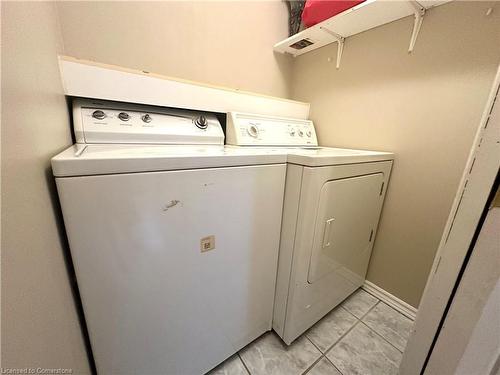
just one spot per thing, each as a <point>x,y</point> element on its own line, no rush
<point>327,231</point>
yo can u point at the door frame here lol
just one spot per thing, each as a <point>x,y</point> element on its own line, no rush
<point>469,340</point>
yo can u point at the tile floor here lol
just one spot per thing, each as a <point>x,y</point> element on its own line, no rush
<point>362,336</point>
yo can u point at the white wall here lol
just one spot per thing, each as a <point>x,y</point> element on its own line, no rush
<point>425,107</point>
<point>40,326</point>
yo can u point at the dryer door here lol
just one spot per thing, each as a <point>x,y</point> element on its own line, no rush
<point>346,220</point>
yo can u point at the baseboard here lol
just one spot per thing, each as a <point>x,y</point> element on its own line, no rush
<point>391,300</point>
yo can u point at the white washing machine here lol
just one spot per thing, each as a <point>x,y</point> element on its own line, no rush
<point>333,201</point>
<point>174,238</point>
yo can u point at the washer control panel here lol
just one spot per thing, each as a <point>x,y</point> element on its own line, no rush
<point>111,122</point>
<point>244,129</point>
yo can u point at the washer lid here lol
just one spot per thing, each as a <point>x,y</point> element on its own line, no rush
<point>83,160</point>
<point>322,156</point>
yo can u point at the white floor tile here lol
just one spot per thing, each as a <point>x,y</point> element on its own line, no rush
<point>390,324</point>
<point>359,303</point>
<point>268,355</point>
<point>363,352</point>
<point>329,329</point>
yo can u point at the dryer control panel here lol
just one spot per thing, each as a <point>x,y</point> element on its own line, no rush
<point>244,129</point>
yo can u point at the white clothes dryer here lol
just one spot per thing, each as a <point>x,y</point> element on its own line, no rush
<point>333,201</point>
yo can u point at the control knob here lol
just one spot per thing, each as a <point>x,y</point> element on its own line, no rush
<point>308,133</point>
<point>201,122</point>
<point>124,116</point>
<point>147,118</point>
<point>253,131</point>
<point>99,115</point>
<point>301,133</point>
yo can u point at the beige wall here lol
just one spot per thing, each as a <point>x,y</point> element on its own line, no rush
<point>39,322</point>
<point>226,43</point>
<point>425,107</point>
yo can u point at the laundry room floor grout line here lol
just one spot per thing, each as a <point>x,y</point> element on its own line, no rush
<point>315,362</point>
<point>382,337</point>
<point>328,359</point>
<point>370,328</point>
<point>350,329</point>
<point>244,364</point>
<point>374,330</point>
<point>359,321</point>
<point>323,355</point>
<point>343,335</point>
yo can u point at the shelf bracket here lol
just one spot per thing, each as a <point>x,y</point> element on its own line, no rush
<point>340,43</point>
<point>419,12</point>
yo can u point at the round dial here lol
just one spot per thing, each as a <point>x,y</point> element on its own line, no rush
<point>201,122</point>
<point>292,132</point>
<point>308,133</point>
<point>301,133</point>
<point>253,131</point>
<point>98,114</point>
<point>124,116</point>
<point>147,118</point>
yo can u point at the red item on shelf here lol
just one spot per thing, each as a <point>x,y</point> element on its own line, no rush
<point>316,11</point>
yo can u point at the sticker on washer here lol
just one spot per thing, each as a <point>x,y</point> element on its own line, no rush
<point>207,243</point>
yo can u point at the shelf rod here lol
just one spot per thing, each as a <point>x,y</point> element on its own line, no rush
<point>340,44</point>
<point>419,12</point>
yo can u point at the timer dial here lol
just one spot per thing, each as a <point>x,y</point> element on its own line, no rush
<point>253,131</point>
